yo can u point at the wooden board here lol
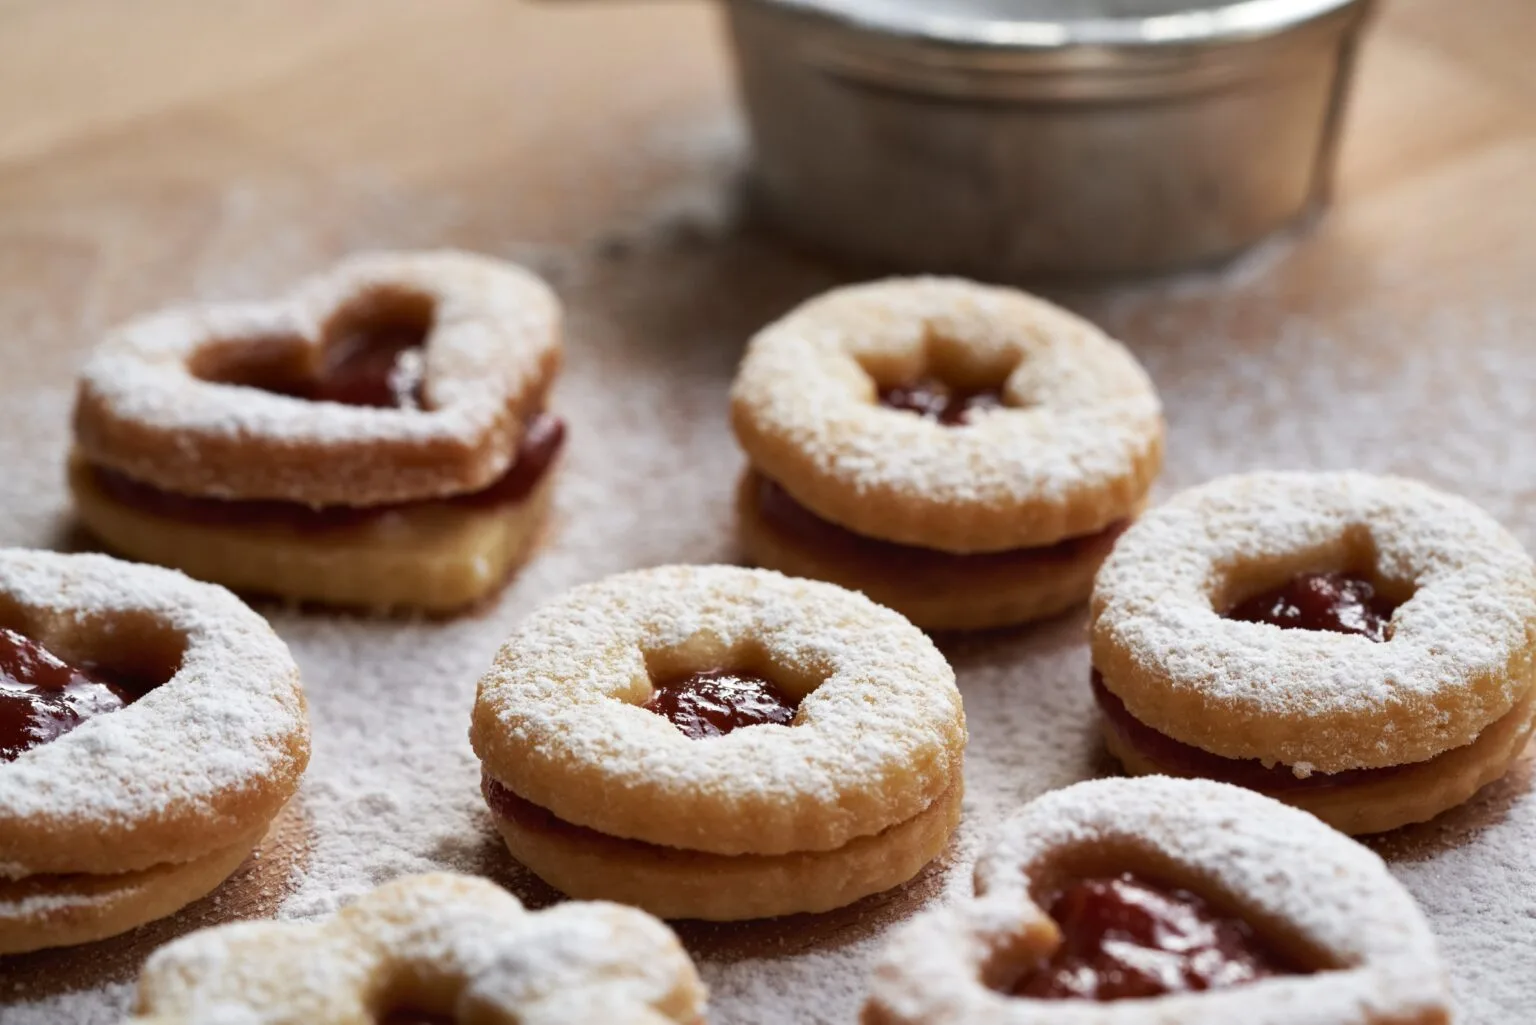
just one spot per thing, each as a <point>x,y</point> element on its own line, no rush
<point>153,152</point>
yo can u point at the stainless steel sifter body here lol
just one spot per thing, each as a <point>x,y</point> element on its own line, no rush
<point>1016,138</point>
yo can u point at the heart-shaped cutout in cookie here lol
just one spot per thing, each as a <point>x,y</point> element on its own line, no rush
<point>1122,936</point>
<point>1155,900</point>
<point>371,352</point>
<point>393,377</point>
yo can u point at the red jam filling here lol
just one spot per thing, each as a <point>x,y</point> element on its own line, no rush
<point>372,365</point>
<point>506,804</point>
<point>509,805</point>
<point>932,399</point>
<point>1124,937</point>
<point>1335,602</point>
<point>1180,759</point>
<point>543,437</point>
<point>782,512</point>
<point>43,697</point>
<point>715,702</point>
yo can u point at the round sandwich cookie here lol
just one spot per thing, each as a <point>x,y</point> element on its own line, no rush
<point>1357,646</point>
<point>721,743</point>
<point>151,728</point>
<point>963,454</point>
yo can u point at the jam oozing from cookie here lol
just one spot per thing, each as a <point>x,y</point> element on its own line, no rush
<point>1176,758</point>
<point>779,510</point>
<point>715,702</point>
<point>1335,602</point>
<point>43,697</point>
<point>932,399</point>
<point>543,437</point>
<point>1125,937</point>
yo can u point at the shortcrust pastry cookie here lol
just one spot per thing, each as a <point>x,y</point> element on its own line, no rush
<point>1358,646</point>
<point>721,743</point>
<point>377,438</point>
<point>428,949</point>
<point>1159,900</point>
<point>151,727</point>
<point>963,454</point>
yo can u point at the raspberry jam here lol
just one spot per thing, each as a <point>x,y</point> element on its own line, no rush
<point>780,510</point>
<point>1335,602</point>
<point>932,399</point>
<point>1176,758</point>
<point>1125,937</point>
<point>543,437</point>
<point>42,697</point>
<point>372,365</point>
<point>715,702</point>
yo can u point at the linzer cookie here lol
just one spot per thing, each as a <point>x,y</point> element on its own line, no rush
<point>1158,900</point>
<point>426,950</point>
<point>1357,646</point>
<point>965,455</point>
<point>378,438</point>
<point>151,728</point>
<point>720,743</point>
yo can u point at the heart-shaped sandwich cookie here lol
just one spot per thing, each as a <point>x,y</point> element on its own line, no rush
<point>377,438</point>
<point>1158,900</point>
<point>963,454</point>
<point>429,949</point>
<point>721,743</point>
<point>1358,646</point>
<point>151,727</point>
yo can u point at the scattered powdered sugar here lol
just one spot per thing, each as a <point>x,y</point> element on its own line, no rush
<point>1327,359</point>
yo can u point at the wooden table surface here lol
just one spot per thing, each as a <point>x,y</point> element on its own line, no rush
<point>157,151</point>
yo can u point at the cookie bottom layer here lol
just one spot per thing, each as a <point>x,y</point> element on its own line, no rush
<point>434,557</point>
<point>1375,801</point>
<point>934,591</point>
<point>673,883</point>
<point>38,912</point>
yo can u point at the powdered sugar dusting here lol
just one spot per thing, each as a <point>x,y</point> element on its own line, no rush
<point>492,342</point>
<point>878,735</point>
<point>570,965</point>
<point>1363,348</point>
<point>1274,864</point>
<point>1456,660</point>
<point>1080,421</point>
<point>225,730</point>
